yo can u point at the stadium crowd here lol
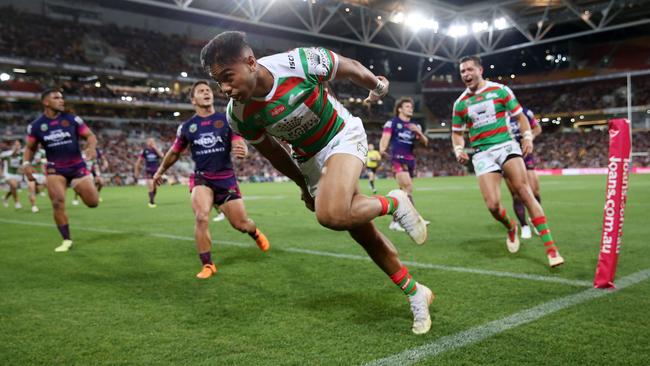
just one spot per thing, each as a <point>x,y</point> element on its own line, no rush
<point>121,143</point>
<point>567,98</point>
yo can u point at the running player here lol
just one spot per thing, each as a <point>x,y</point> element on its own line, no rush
<point>12,175</point>
<point>213,183</point>
<point>95,167</point>
<point>484,108</point>
<point>282,96</point>
<point>38,164</point>
<point>151,156</point>
<point>59,132</point>
<point>401,133</point>
<point>372,163</point>
<point>533,180</point>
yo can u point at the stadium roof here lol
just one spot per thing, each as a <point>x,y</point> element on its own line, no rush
<point>442,30</point>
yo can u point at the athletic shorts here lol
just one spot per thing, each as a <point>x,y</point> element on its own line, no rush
<point>492,159</point>
<point>350,140</point>
<point>224,190</point>
<point>149,173</point>
<point>17,177</point>
<point>39,178</point>
<point>404,165</point>
<point>530,162</point>
<point>374,170</point>
<point>72,174</point>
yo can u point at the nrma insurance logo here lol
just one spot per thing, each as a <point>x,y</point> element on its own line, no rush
<point>208,140</point>
<point>57,135</point>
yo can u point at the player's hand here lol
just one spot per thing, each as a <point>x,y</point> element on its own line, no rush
<point>91,154</point>
<point>374,97</point>
<point>239,151</point>
<point>526,147</point>
<point>308,199</point>
<point>157,179</point>
<point>462,157</point>
<point>28,170</point>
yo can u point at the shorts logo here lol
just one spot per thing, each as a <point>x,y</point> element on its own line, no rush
<point>508,148</point>
<point>193,127</point>
<point>44,127</point>
<point>480,166</point>
<point>218,123</point>
<point>65,123</point>
<point>362,149</point>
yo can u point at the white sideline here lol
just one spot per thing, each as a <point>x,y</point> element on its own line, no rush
<point>482,332</point>
<point>521,276</point>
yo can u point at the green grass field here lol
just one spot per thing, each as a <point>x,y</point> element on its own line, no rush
<point>126,293</point>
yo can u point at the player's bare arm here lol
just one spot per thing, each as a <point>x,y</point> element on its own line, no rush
<point>170,159</point>
<point>458,142</point>
<point>137,165</point>
<point>354,71</point>
<point>271,149</point>
<point>91,144</point>
<point>239,149</point>
<point>537,130</point>
<point>526,134</point>
<point>421,136</point>
<point>28,155</point>
<point>383,142</point>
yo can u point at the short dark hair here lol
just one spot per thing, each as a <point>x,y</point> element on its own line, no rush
<point>49,91</point>
<point>224,49</point>
<point>195,85</point>
<point>476,59</point>
<point>400,102</point>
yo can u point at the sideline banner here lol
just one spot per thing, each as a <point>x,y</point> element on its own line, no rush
<point>618,168</point>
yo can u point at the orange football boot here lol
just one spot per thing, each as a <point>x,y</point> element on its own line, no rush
<point>207,271</point>
<point>261,241</point>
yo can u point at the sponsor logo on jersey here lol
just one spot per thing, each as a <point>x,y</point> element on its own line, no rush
<point>292,62</point>
<point>276,111</point>
<point>193,127</point>
<point>218,123</point>
<point>57,135</point>
<point>399,125</point>
<point>208,140</point>
<point>491,95</point>
<point>43,127</point>
<point>65,123</point>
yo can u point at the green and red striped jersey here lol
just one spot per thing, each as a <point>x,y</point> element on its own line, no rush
<point>298,109</point>
<point>486,113</point>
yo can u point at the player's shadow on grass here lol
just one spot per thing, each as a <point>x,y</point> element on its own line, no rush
<point>230,256</point>
<point>494,248</point>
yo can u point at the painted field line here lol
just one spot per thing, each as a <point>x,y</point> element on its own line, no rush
<point>484,272</point>
<point>482,332</point>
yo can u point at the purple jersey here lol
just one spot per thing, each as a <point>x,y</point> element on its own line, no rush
<point>210,140</point>
<point>402,139</point>
<point>151,159</point>
<point>514,123</point>
<point>60,138</point>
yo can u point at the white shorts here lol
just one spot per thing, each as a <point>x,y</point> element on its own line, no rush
<point>351,140</point>
<point>492,159</point>
<point>39,178</point>
<point>17,177</point>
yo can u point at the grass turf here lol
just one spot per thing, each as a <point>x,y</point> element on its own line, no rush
<point>130,297</point>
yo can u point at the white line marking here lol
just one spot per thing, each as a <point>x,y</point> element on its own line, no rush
<point>482,332</point>
<point>520,276</point>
